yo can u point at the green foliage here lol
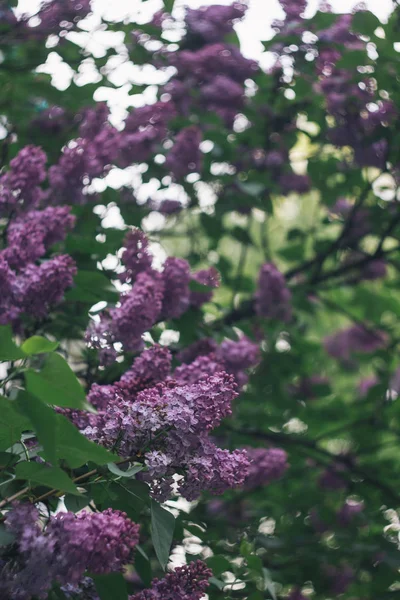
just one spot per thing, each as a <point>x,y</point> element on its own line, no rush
<point>162,532</point>
<point>274,538</point>
<point>56,383</point>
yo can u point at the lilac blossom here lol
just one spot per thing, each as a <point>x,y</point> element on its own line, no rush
<point>207,277</point>
<point>189,582</point>
<point>43,286</point>
<point>172,420</point>
<point>212,23</point>
<point>266,465</point>
<point>31,234</point>
<point>354,339</point>
<point>185,156</point>
<point>19,187</point>
<point>139,308</point>
<point>136,256</point>
<point>272,298</point>
<point>69,545</point>
<point>176,279</point>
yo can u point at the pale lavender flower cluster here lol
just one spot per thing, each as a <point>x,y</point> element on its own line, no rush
<point>173,420</point>
<point>167,420</point>
<point>266,465</point>
<point>354,339</point>
<point>272,299</point>
<point>189,582</point>
<point>61,553</point>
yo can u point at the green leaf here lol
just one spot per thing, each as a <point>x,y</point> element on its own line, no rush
<point>12,424</point>
<point>131,492</point>
<point>169,5</point>
<point>44,424</point>
<point>128,473</point>
<point>111,586</point>
<point>365,22</point>
<point>143,566</point>
<point>52,477</point>
<point>162,532</point>
<point>8,349</point>
<point>76,449</point>
<point>219,564</point>
<point>217,582</point>
<point>38,345</point>
<point>75,503</point>
<point>252,188</point>
<point>269,584</point>
<point>56,384</point>
<point>5,536</point>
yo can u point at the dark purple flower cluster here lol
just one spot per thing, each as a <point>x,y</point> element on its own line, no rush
<point>30,235</point>
<point>349,511</point>
<point>205,358</point>
<point>189,582</point>
<point>53,18</point>
<point>356,220</point>
<point>213,23</point>
<point>293,8</point>
<point>357,124</point>
<point>185,155</point>
<point>354,339</point>
<point>272,299</point>
<point>52,120</point>
<point>19,187</point>
<point>69,545</point>
<point>28,286</point>
<point>56,16</point>
<point>306,388</point>
<point>209,278</point>
<point>215,71</point>
<point>154,296</point>
<point>266,465</point>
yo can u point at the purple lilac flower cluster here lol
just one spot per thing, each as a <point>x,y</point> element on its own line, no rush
<point>213,23</point>
<point>266,465</point>
<point>31,285</point>
<point>154,296</point>
<point>189,582</point>
<point>69,545</point>
<point>215,69</point>
<point>53,18</point>
<point>272,299</point>
<point>168,420</point>
<point>206,357</point>
<point>354,339</point>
